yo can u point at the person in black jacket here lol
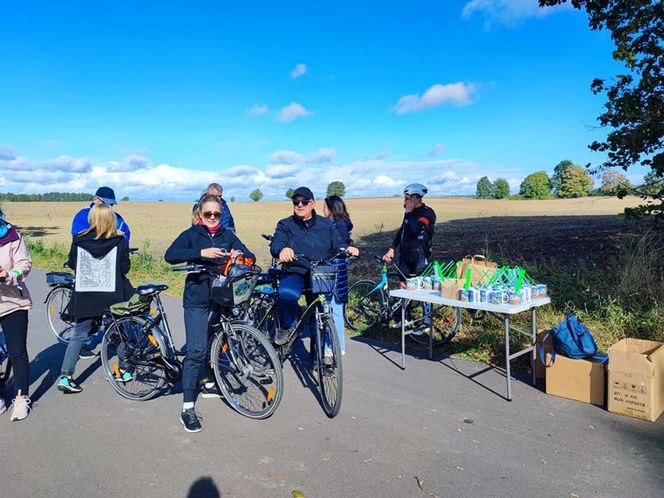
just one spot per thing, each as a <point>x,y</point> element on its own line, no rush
<point>298,240</point>
<point>414,238</point>
<point>100,258</point>
<point>217,190</point>
<point>203,243</point>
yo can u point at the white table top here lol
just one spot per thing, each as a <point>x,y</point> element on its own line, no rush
<point>431,296</point>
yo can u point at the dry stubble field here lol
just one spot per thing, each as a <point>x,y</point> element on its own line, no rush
<point>158,223</point>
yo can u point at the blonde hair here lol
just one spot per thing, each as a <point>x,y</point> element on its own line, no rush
<point>102,221</point>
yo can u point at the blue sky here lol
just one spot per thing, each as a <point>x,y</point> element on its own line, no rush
<point>157,99</point>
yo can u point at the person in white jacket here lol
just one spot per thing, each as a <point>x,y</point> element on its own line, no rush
<point>15,264</point>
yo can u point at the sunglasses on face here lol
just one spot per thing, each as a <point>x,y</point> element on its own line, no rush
<point>301,202</point>
<point>211,214</point>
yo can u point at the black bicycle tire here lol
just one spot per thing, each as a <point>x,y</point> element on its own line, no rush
<point>348,310</point>
<point>217,348</point>
<point>441,338</point>
<point>331,410</point>
<point>110,374</point>
<point>51,327</point>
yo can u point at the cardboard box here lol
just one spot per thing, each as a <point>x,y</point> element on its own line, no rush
<point>548,347</point>
<point>449,289</point>
<point>581,380</point>
<point>636,378</point>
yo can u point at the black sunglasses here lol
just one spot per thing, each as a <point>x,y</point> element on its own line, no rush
<point>303,202</point>
<point>211,214</point>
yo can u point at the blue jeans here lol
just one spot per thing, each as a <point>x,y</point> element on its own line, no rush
<point>337,310</point>
<point>290,290</point>
<point>194,366</point>
<point>81,330</point>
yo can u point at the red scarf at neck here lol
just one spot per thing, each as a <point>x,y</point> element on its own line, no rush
<point>212,230</point>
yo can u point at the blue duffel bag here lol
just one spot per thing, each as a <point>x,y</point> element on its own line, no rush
<point>571,338</point>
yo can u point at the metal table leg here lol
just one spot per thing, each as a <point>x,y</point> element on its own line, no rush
<point>508,370</point>
<point>403,334</point>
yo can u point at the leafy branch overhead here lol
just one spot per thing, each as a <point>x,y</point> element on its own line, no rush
<point>634,110</point>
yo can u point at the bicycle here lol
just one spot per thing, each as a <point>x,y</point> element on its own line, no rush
<point>369,303</point>
<point>262,314</point>
<point>245,365</point>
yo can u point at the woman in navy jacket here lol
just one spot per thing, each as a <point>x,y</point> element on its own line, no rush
<point>203,243</point>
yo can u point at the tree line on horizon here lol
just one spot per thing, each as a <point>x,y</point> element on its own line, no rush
<point>47,197</point>
<point>568,181</point>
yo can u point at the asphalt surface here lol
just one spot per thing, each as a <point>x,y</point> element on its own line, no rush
<point>430,430</point>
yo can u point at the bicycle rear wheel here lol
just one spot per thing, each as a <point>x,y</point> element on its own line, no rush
<point>445,323</point>
<point>329,369</point>
<point>127,349</point>
<point>58,318</point>
<point>247,370</point>
<point>363,309</point>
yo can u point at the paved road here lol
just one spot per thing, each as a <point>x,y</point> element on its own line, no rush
<point>430,423</point>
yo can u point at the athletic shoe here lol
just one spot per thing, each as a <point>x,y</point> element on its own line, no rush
<point>282,336</point>
<point>343,352</point>
<point>87,354</point>
<point>68,386</point>
<point>210,392</point>
<point>328,358</point>
<point>422,329</point>
<point>3,407</point>
<point>125,377</point>
<point>189,419</point>
<point>21,408</point>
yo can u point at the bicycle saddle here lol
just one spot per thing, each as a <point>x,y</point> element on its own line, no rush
<point>147,289</point>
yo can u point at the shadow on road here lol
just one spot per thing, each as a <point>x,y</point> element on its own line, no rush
<point>204,488</point>
<point>47,361</point>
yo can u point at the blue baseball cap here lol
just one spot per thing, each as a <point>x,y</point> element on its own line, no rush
<point>106,195</point>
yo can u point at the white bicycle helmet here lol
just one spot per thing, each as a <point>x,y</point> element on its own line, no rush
<point>415,189</point>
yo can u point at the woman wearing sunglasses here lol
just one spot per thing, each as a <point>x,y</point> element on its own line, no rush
<point>203,243</point>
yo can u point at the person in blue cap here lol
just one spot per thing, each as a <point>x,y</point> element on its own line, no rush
<point>103,195</point>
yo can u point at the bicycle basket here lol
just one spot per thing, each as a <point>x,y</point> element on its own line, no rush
<point>59,277</point>
<point>323,279</point>
<point>236,288</point>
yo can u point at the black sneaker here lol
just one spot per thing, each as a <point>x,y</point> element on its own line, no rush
<point>189,419</point>
<point>282,336</point>
<point>210,392</point>
<point>68,386</point>
<point>87,354</point>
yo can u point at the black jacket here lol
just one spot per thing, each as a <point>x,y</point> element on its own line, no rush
<point>187,249</point>
<point>91,273</point>
<point>416,232</point>
<point>312,240</point>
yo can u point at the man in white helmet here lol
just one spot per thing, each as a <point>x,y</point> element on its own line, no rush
<point>413,241</point>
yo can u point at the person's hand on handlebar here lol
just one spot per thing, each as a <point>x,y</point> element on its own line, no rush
<point>389,255</point>
<point>213,253</point>
<point>286,255</point>
<point>353,251</point>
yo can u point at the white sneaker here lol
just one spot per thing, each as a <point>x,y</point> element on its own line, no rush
<point>21,408</point>
<point>327,356</point>
<point>343,352</point>
<point>3,407</point>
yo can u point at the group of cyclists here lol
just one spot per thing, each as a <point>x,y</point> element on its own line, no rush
<point>99,256</point>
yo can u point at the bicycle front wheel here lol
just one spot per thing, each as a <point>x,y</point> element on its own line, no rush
<point>329,370</point>
<point>247,370</point>
<point>363,309</point>
<point>58,317</point>
<point>132,359</point>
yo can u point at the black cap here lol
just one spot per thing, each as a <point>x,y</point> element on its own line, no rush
<point>106,195</point>
<point>303,192</point>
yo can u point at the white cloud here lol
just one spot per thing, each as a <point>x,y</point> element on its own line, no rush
<point>7,153</point>
<point>258,110</point>
<point>292,111</point>
<point>138,178</point>
<point>507,12</point>
<point>300,70</point>
<point>435,150</point>
<point>458,94</point>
